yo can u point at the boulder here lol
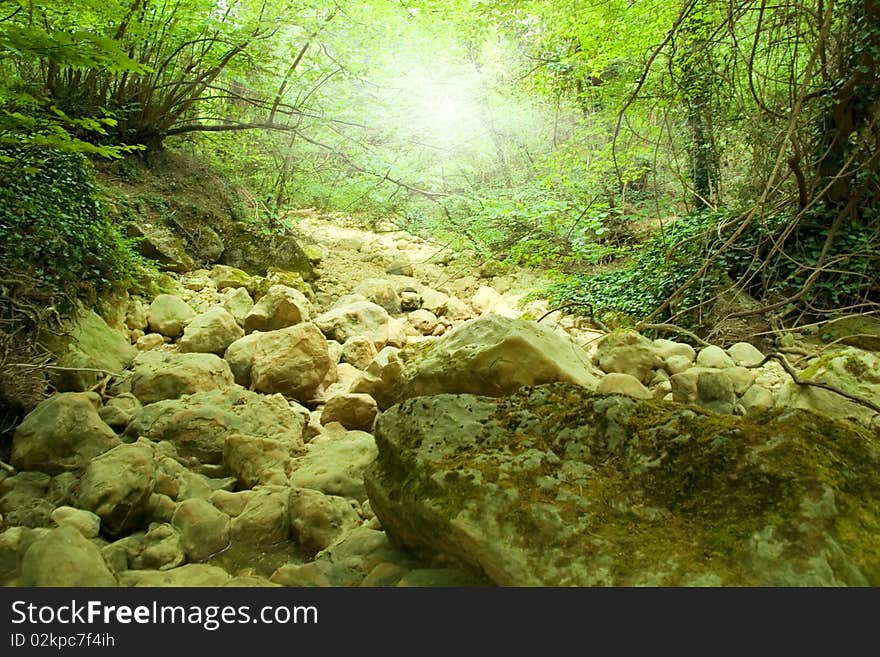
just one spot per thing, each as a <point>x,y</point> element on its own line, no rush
<point>558,486</point>
<point>64,432</point>
<point>159,243</point>
<point>318,520</point>
<point>117,485</point>
<point>358,351</point>
<point>623,384</point>
<point>492,355</point>
<point>160,549</point>
<point>487,300</point>
<point>136,314</point>
<point>191,575</point>
<point>628,352</point>
<point>355,411</point>
<point>169,314</point>
<point>225,277</point>
<point>293,361</point>
<point>64,558</point>
<point>853,370</point>
<point>757,399</point>
<point>210,333</point>
<point>381,292</point>
<point>254,461</point>
<point>160,375</point>
<point>87,341</point>
<point>714,356</point>
<point>710,388</point>
<point>240,358</point>
<point>85,522</point>
<point>199,424</point>
<point>745,354</point>
<point>25,499</point>
<point>149,342</point>
<point>423,321</point>
<point>238,303</point>
<point>264,519</point>
<point>176,482</point>
<point>256,252</point>
<point>410,299</point>
<point>204,529</point>
<point>335,463</point>
<point>279,308</point>
<point>119,410</point>
<point>434,300</point>
<point>669,348</point>
<point>361,318</point>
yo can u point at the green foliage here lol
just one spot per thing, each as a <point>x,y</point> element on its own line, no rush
<point>54,229</point>
<point>652,274</point>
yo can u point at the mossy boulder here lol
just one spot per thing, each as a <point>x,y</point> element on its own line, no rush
<point>87,342</point>
<point>257,252</point>
<point>852,370</point>
<point>558,486</point>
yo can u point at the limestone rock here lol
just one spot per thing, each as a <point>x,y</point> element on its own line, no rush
<point>240,357</point>
<point>64,432</point>
<point>136,314</point>
<point>169,315</point>
<point>64,557</point>
<point>361,318</point>
<point>25,499</point>
<point>254,461</point>
<point>757,399</point>
<point>714,356</point>
<point>623,384</point>
<point>238,303</point>
<point>159,243</point>
<point>544,488</point>
<point>225,277</point>
<point>424,321</point>
<point>85,522</point>
<point>358,351</point>
<point>158,376</point>
<point>492,355</point>
<point>210,333</point>
<point>264,519</point>
<point>188,576</point>
<point>628,352</point>
<point>160,549</point>
<point>853,370</point>
<point>381,292</point>
<point>119,410</point>
<point>87,341</point>
<point>669,348</point>
<point>254,251</point>
<point>199,424</point>
<point>318,520</point>
<point>117,485</point>
<point>678,364</point>
<point>434,300</point>
<point>745,354</point>
<point>149,342</point>
<point>355,411</point>
<point>204,529</point>
<point>335,464</point>
<point>279,308</point>
<point>293,361</point>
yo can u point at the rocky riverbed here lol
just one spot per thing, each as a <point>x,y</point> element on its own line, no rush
<point>396,421</point>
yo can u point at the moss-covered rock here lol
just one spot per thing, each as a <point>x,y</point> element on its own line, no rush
<point>87,342</point>
<point>556,485</point>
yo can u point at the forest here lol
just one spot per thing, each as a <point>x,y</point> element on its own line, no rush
<point>686,193</point>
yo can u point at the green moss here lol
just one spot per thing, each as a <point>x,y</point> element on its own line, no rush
<point>683,484</point>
